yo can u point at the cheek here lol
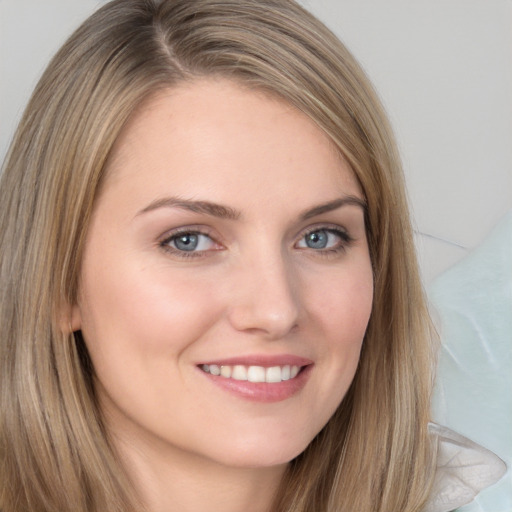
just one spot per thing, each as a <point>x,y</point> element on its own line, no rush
<point>138,327</point>
<point>344,302</point>
<point>126,310</point>
<point>340,305</point>
<point>341,310</point>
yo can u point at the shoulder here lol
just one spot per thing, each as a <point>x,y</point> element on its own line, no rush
<point>464,468</point>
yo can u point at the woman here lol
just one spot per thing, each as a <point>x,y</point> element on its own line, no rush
<point>209,291</point>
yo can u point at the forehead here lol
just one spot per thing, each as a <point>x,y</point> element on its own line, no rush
<point>211,132</point>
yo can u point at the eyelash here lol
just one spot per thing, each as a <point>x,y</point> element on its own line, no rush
<point>345,241</point>
<point>164,244</point>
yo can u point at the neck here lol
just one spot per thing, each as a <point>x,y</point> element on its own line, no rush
<point>171,480</point>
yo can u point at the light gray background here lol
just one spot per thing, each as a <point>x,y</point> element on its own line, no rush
<point>442,67</point>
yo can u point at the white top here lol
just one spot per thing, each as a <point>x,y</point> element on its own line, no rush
<point>464,468</point>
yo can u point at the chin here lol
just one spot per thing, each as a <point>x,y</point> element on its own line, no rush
<point>262,453</point>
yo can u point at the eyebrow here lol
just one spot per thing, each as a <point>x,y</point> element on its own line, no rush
<point>334,205</point>
<point>226,212</point>
<point>206,207</point>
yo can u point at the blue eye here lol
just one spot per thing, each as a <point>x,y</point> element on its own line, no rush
<point>317,239</point>
<point>190,241</point>
<point>324,239</point>
<point>186,242</point>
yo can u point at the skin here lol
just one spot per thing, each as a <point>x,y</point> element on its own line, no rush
<point>150,313</point>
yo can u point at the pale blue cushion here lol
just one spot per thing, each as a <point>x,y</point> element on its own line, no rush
<point>474,386</point>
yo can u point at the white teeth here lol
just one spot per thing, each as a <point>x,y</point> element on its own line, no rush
<point>273,374</point>
<point>239,372</point>
<point>253,373</point>
<point>225,371</point>
<point>256,374</point>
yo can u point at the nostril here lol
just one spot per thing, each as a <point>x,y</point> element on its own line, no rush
<point>264,299</point>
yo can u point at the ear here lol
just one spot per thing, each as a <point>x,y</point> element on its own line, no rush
<point>75,318</point>
<point>70,318</point>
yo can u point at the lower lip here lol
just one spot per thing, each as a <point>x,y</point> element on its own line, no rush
<point>266,392</point>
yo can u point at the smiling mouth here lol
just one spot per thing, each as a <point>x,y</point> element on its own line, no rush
<point>271,374</point>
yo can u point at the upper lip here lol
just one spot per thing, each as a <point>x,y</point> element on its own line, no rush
<point>266,361</point>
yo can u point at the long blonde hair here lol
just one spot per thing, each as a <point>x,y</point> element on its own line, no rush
<point>374,454</point>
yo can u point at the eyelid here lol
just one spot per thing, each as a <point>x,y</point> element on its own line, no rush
<point>189,228</point>
<point>165,239</point>
<point>345,238</point>
<point>336,228</point>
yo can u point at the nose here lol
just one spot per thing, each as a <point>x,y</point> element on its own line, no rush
<point>265,298</point>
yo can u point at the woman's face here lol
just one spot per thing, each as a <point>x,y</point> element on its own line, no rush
<point>228,238</point>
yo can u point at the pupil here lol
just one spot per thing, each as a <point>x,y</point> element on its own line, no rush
<point>186,242</point>
<point>317,240</point>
